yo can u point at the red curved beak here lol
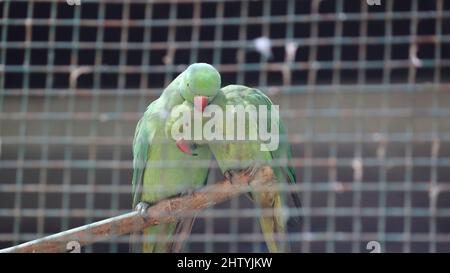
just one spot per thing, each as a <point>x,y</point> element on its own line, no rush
<point>184,146</point>
<point>200,103</point>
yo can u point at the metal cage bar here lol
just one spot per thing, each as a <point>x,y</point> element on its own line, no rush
<point>364,91</point>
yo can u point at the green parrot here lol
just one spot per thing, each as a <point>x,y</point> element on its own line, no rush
<point>164,167</point>
<point>234,156</point>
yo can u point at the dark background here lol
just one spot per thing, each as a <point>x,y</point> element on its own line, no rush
<point>351,92</point>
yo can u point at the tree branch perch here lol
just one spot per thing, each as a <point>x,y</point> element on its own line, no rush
<point>165,211</point>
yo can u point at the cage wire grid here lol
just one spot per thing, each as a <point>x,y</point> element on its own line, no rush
<point>363,91</point>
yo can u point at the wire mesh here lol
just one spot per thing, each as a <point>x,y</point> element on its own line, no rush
<point>363,90</point>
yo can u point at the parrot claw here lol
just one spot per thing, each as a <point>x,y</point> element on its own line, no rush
<point>188,191</point>
<point>228,175</point>
<point>249,172</point>
<point>142,208</point>
<point>231,176</point>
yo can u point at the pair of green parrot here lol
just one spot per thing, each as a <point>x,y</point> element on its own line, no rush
<point>164,167</point>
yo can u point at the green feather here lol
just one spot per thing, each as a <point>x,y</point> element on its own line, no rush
<point>239,155</point>
<point>161,170</point>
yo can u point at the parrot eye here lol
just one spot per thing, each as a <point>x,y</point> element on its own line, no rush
<point>190,90</point>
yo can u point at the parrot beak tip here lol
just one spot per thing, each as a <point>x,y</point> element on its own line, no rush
<point>200,103</point>
<point>184,147</point>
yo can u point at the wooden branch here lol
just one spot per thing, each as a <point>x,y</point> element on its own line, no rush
<point>165,211</point>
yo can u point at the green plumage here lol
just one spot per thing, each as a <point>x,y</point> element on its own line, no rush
<point>240,155</point>
<point>161,170</point>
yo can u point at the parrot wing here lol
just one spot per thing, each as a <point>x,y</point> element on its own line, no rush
<point>142,138</point>
<point>154,179</point>
<point>278,158</point>
<point>283,155</point>
<point>252,96</point>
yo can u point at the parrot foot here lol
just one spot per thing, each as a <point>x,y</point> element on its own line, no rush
<point>250,172</point>
<point>188,191</point>
<point>142,208</point>
<point>229,175</point>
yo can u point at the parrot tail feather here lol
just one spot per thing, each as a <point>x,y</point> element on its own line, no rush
<point>273,224</point>
<point>182,230</point>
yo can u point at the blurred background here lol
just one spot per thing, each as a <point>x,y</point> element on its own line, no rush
<point>364,90</point>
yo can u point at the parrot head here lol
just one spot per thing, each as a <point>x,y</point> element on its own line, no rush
<point>200,85</point>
